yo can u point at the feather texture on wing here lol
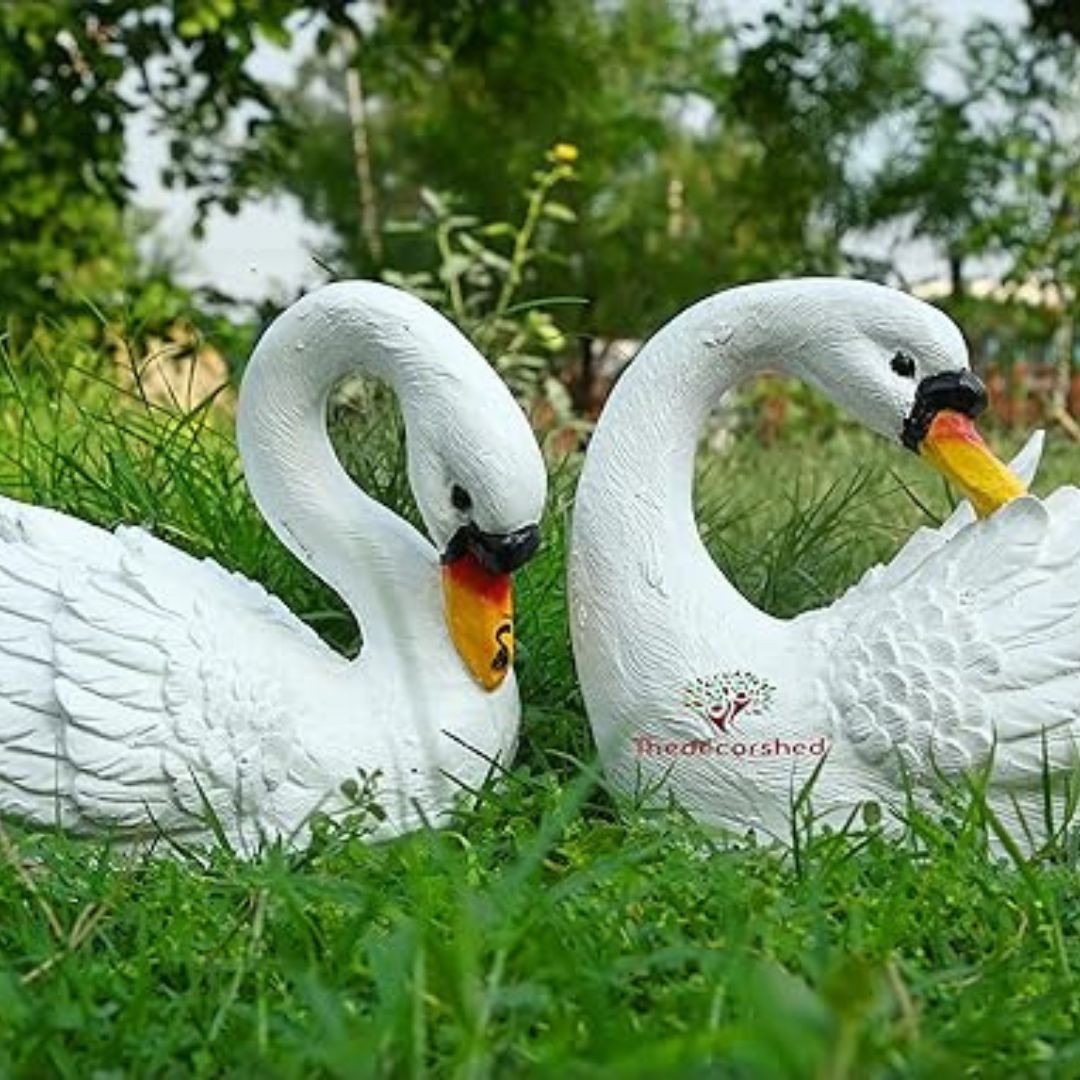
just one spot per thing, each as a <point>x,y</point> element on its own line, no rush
<point>136,682</point>
<point>964,651</point>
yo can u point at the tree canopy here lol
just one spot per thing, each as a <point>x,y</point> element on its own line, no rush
<point>709,148</point>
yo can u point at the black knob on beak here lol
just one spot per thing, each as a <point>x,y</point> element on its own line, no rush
<point>961,391</point>
<point>497,553</point>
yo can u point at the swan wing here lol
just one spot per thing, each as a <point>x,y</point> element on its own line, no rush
<point>970,657</point>
<point>134,684</point>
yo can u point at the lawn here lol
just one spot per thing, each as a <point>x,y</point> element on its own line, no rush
<point>552,929</point>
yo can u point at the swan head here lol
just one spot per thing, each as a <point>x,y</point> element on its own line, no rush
<point>901,367</point>
<point>480,484</point>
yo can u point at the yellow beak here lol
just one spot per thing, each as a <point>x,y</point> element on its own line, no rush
<point>479,609</point>
<point>955,449</point>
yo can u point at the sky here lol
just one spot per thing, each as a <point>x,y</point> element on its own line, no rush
<point>265,249</point>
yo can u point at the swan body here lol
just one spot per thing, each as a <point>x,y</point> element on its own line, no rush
<point>144,691</point>
<point>961,657</point>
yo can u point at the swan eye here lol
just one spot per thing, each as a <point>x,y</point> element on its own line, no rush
<point>460,498</point>
<point>903,365</point>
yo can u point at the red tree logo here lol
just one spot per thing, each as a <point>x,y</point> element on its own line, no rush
<point>721,699</point>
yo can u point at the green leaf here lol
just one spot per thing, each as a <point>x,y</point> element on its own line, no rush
<point>558,211</point>
<point>453,266</point>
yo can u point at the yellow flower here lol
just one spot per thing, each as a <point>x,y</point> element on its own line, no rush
<point>564,153</point>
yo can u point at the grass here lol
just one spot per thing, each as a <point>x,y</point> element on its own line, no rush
<point>551,930</point>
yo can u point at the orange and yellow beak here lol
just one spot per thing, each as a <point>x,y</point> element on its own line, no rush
<point>478,598</point>
<point>941,429</point>
<point>955,449</point>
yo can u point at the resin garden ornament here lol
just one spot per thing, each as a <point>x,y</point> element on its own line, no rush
<point>141,688</point>
<point>960,658</point>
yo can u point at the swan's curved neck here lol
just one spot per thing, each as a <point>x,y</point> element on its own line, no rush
<point>635,500</point>
<point>378,563</point>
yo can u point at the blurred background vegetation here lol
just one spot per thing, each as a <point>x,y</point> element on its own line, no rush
<point>560,176</point>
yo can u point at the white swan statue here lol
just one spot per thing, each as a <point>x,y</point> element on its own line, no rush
<point>145,692</point>
<point>959,659</point>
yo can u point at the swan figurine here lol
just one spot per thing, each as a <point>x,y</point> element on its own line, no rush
<point>145,692</point>
<point>959,658</point>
